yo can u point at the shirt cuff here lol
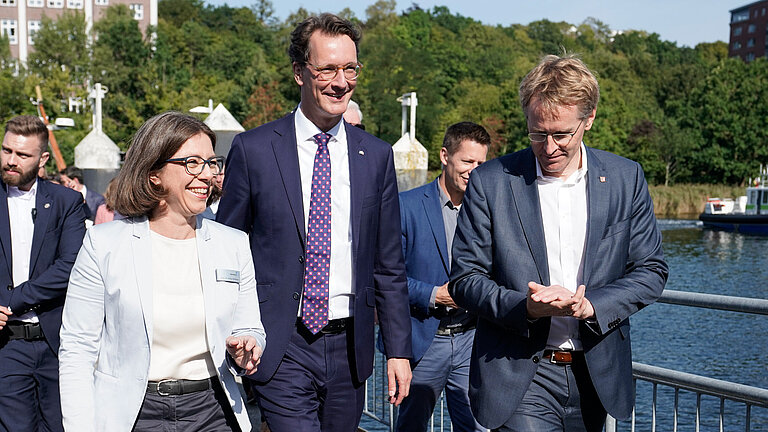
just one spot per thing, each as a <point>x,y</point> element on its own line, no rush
<point>432,304</point>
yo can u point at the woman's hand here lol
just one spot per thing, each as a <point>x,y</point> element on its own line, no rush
<point>245,352</point>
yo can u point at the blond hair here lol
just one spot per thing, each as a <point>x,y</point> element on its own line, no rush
<point>560,81</point>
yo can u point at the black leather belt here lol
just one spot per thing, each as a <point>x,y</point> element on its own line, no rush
<point>336,326</point>
<point>563,357</point>
<point>179,387</point>
<point>333,327</point>
<point>450,331</point>
<point>25,331</point>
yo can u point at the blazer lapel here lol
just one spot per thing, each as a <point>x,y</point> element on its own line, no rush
<point>204,257</point>
<point>287,156</point>
<point>43,210</point>
<point>358,167</point>
<point>525,195</point>
<point>598,194</point>
<point>141,243</point>
<point>5,228</point>
<point>433,209</point>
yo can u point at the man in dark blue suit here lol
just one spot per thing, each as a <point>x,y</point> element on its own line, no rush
<point>72,177</point>
<point>41,230</point>
<point>556,246</point>
<point>442,334</point>
<point>319,201</point>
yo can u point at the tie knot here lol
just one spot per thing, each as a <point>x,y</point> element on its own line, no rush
<point>322,138</point>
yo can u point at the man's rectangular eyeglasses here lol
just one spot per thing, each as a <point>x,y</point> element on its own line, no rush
<point>328,72</point>
<point>195,164</point>
<point>560,138</point>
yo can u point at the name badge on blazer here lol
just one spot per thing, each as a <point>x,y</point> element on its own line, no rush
<point>225,275</point>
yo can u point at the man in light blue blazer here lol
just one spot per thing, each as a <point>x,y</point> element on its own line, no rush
<point>556,246</point>
<point>441,333</point>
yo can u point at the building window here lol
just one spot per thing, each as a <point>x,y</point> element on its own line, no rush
<point>8,28</point>
<point>740,16</point>
<point>751,28</point>
<point>751,43</point>
<point>138,11</point>
<point>74,4</point>
<point>32,28</point>
<point>750,57</point>
<point>7,2</point>
<point>737,31</point>
<point>56,4</point>
<point>101,2</point>
<point>737,45</point>
<point>35,3</point>
<point>763,11</point>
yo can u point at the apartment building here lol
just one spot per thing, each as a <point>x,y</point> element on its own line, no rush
<point>749,28</point>
<point>21,19</point>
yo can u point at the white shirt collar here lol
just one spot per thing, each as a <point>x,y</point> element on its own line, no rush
<point>575,177</point>
<point>306,130</point>
<point>15,192</point>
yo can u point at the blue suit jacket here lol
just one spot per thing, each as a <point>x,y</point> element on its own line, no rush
<point>426,259</point>
<point>93,200</point>
<point>57,237</point>
<point>499,247</point>
<point>262,196</point>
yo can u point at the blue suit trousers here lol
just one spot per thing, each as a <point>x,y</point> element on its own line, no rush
<point>29,377</point>
<point>445,365</point>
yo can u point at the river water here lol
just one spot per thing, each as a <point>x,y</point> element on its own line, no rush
<point>725,345</point>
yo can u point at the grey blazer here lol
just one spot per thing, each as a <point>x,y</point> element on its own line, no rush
<point>499,247</point>
<point>106,332</point>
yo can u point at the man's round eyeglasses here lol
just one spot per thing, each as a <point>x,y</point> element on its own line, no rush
<point>328,72</point>
<point>560,138</point>
<point>195,164</point>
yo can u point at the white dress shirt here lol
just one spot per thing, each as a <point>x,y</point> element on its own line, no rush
<point>564,215</point>
<point>21,205</point>
<point>340,288</point>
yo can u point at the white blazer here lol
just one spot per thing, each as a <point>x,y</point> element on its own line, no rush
<point>106,330</point>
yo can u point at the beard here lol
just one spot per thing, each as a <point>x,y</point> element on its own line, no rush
<point>26,177</point>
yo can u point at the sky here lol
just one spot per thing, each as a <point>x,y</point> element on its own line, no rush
<point>687,22</point>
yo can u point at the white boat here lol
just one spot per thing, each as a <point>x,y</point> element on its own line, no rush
<point>747,214</point>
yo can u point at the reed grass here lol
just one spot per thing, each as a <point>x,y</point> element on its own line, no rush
<point>687,200</point>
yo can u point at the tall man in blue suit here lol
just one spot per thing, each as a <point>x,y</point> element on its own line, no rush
<point>319,200</point>
<point>41,230</point>
<point>442,334</point>
<point>556,246</point>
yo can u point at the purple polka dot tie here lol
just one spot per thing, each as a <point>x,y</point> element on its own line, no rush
<point>314,310</point>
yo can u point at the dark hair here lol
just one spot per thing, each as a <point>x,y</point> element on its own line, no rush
<point>27,126</point>
<point>463,131</point>
<point>73,172</point>
<point>158,139</point>
<point>326,23</point>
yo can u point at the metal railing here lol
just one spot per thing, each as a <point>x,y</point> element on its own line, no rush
<point>749,396</point>
<point>698,385</point>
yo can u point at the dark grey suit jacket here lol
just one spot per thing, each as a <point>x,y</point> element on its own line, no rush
<point>499,247</point>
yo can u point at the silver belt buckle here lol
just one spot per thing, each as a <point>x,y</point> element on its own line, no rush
<point>158,387</point>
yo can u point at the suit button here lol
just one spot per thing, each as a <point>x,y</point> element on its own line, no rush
<point>10,287</point>
<point>301,259</point>
<point>535,359</point>
<point>295,296</point>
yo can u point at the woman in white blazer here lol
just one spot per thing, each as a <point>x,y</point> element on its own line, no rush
<point>161,311</point>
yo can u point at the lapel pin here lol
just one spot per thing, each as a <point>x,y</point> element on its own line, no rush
<point>602,179</point>
<point>47,205</point>
<point>361,153</point>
